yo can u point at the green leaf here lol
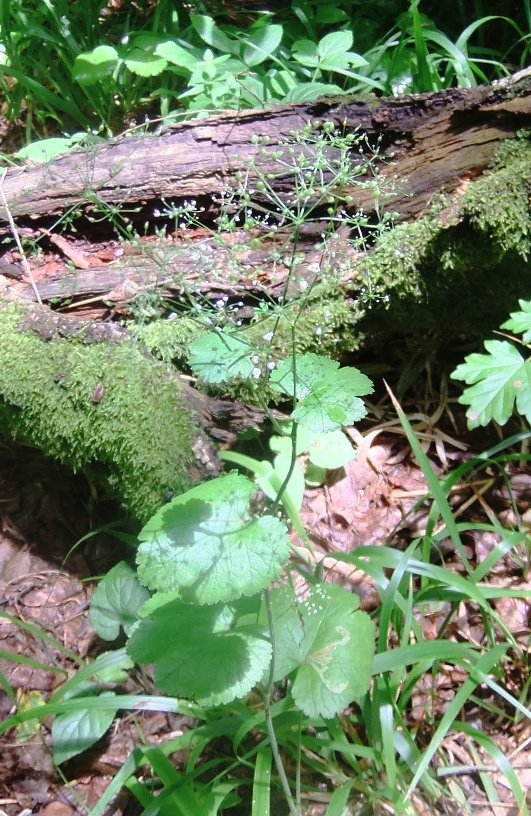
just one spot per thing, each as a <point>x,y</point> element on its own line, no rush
<point>205,545</point>
<point>177,55</point>
<point>143,58</point>
<point>217,357</point>
<point>306,369</point>
<point>200,652</point>
<point>331,450</point>
<point>213,35</point>
<point>498,380</point>
<point>330,641</point>
<point>520,322</point>
<point>116,601</point>
<point>334,401</point>
<point>330,54</point>
<point>93,66</point>
<point>74,732</point>
<point>261,44</point>
<point>46,149</point>
<point>311,90</point>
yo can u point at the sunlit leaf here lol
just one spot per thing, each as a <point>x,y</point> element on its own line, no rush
<point>200,652</point>
<point>116,601</point>
<point>205,545</point>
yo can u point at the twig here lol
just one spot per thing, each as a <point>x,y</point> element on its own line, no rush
<point>16,236</point>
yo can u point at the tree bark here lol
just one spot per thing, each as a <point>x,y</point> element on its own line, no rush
<point>436,140</point>
<point>435,143</point>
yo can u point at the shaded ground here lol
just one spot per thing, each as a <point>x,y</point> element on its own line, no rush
<point>44,511</point>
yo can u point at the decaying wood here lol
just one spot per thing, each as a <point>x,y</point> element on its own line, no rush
<point>436,140</point>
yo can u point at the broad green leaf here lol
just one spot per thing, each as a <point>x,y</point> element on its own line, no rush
<point>143,61</point>
<point>334,54</point>
<point>93,66</point>
<point>520,322</point>
<point>217,357</point>
<point>311,90</point>
<point>330,53</point>
<point>306,369</point>
<point>177,55</point>
<point>46,149</point>
<point>334,401</point>
<point>116,601</point>
<point>214,36</point>
<point>261,44</point>
<point>74,732</point>
<point>331,450</point>
<point>330,641</point>
<point>200,653</point>
<point>205,545</point>
<point>499,380</point>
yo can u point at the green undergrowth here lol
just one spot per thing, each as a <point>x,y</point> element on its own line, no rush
<point>101,407</point>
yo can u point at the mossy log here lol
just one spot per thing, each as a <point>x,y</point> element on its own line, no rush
<point>112,409</point>
<point>88,396</point>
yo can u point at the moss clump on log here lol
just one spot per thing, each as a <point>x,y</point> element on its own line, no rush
<point>102,407</point>
<point>462,267</point>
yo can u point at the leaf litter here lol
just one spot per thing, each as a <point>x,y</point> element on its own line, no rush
<point>375,499</point>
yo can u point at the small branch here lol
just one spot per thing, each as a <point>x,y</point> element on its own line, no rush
<point>18,242</point>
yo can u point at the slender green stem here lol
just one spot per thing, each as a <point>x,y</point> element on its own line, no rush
<point>293,807</point>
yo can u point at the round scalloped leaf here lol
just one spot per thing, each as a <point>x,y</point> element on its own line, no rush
<point>198,654</point>
<point>329,642</point>
<point>204,545</point>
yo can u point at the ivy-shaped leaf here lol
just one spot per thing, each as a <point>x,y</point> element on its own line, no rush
<point>498,380</point>
<point>219,356</point>
<point>116,601</point>
<point>204,544</point>
<point>520,322</point>
<point>330,641</point>
<point>334,401</point>
<point>203,652</point>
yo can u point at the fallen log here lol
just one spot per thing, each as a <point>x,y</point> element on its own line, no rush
<point>436,141</point>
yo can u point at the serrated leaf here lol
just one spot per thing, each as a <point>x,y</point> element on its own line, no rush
<point>334,402</point>
<point>306,369</point>
<point>520,322</point>
<point>499,380</point>
<point>204,544</point>
<point>330,641</point>
<point>217,357</point>
<point>93,66</point>
<point>200,652</point>
<point>116,601</point>
<point>75,731</point>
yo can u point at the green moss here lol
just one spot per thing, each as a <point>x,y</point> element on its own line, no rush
<point>463,266</point>
<point>138,437</point>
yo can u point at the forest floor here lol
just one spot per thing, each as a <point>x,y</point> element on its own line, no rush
<point>44,511</point>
